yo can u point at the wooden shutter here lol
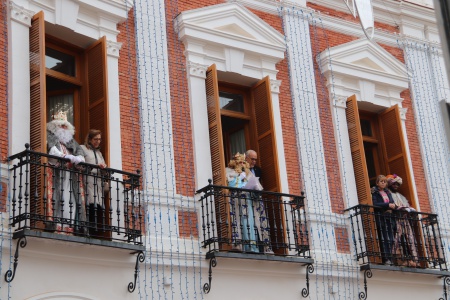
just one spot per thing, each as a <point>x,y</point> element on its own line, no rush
<point>217,157</point>
<point>215,127</point>
<point>362,179</point>
<point>394,149</point>
<point>265,132</point>
<point>38,116</point>
<point>357,149</point>
<point>38,103</point>
<point>97,91</point>
<point>267,154</point>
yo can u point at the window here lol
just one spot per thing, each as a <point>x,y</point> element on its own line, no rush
<point>378,147</point>
<point>241,117</point>
<point>65,77</point>
<point>69,78</point>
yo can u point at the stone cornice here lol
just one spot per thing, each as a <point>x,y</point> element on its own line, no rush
<point>392,13</point>
<point>20,14</point>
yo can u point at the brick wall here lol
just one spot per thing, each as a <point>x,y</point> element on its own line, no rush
<point>341,237</point>
<point>187,224</point>
<point>129,97</point>
<point>320,40</point>
<point>3,95</point>
<point>416,156</point>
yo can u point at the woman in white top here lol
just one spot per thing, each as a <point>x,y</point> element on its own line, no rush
<point>96,187</point>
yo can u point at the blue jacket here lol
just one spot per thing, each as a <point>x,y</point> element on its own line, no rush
<point>378,200</point>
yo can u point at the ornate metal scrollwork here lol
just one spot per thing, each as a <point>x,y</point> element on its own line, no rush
<point>139,258</point>
<point>367,274</point>
<point>9,275</point>
<point>212,264</point>
<point>309,270</point>
<point>446,282</point>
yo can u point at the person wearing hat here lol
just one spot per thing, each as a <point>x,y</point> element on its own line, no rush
<point>404,247</point>
<point>65,209</point>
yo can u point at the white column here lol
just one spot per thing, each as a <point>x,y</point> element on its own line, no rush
<point>306,111</point>
<point>275,91</point>
<point>155,99</point>
<point>309,135</point>
<point>200,125</point>
<point>115,145</point>
<point>19,78</point>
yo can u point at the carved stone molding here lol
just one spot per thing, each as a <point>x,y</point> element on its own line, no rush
<point>20,14</point>
<point>340,101</point>
<point>197,70</point>
<point>275,86</point>
<point>403,113</point>
<point>113,48</point>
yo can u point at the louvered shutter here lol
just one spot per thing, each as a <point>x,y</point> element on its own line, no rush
<point>357,149</point>
<point>97,91</point>
<point>217,157</point>
<point>265,131</point>
<point>38,116</point>
<point>38,103</point>
<point>362,178</point>
<point>394,149</point>
<point>267,155</point>
<point>215,127</point>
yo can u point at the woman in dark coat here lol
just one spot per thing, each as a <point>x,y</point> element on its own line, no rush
<point>382,199</point>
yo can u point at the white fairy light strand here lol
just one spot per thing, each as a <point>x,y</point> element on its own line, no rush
<point>425,96</point>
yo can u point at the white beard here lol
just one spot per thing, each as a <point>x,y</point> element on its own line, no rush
<point>64,136</point>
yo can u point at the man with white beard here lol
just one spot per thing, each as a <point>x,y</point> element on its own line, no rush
<point>65,209</point>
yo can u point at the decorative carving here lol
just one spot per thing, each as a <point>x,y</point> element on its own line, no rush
<point>340,101</point>
<point>113,48</point>
<point>275,86</point>
<point>21,14</point>
<point>403,113</point>
<point>197,70</point>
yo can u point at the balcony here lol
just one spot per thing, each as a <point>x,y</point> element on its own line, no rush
<point>248,224</point>
<point>397,241</point>
<point>51,198</point>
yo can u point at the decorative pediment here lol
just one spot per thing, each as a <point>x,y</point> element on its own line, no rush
<point>364,68</point>
<point>93,18</point>
<point>231,25</point>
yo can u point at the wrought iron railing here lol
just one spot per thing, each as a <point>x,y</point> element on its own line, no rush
<point>250,221</point>
<point>397,237</point>
<point>50,194</point>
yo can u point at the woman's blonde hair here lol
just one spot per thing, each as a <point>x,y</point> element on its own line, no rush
<point>235,163</point>
<point>380,178</point>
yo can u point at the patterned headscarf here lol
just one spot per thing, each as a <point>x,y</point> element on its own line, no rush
<point>393,179</point>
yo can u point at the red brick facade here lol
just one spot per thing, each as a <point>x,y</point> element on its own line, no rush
<point>187,224</point>
<point>3,95</point>
<point>341,236</point>
<point>129,97</point>
<point>320,40</point>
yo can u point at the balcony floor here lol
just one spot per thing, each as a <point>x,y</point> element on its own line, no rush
<point>405,269</point>
<point>77,239</point>
<point>268,257</point>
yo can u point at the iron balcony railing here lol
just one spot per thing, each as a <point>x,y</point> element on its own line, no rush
<point>249,221</point>
<point>49,194</point>
<point>397,238</point>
